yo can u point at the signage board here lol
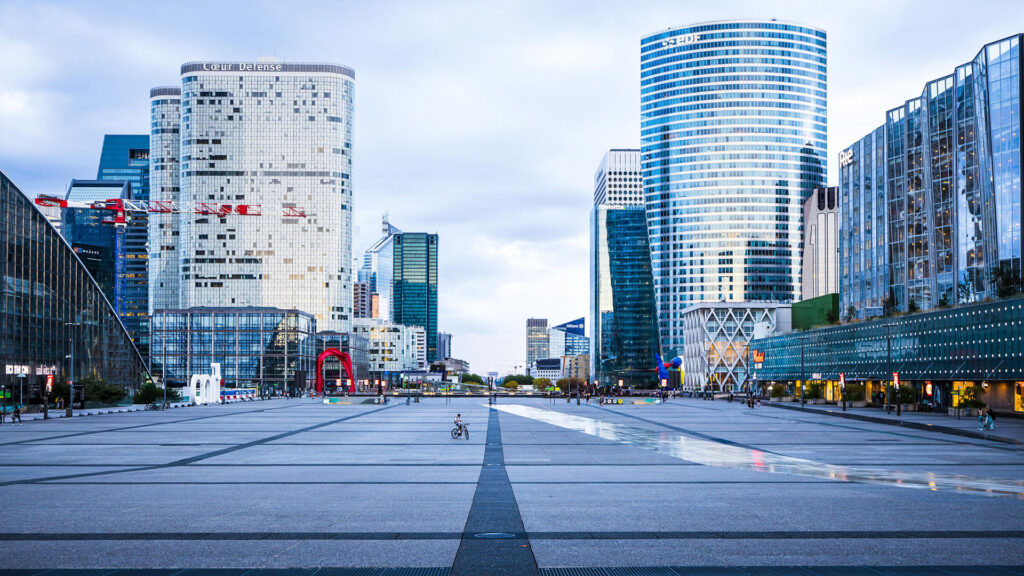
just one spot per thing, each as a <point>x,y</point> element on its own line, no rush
<point>896,380</point>
<point>842,380</point>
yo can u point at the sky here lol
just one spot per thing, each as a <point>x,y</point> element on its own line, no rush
<point>481,121</point>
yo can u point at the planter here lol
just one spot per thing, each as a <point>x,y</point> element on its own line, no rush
<point>857,404</point>
<point>964,412</point>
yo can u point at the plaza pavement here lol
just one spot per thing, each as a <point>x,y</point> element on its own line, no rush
<point>689,487</point>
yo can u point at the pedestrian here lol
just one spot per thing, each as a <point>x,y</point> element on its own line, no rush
<point>981,419</point>
<point>16,416</point>
<point>991,419</point>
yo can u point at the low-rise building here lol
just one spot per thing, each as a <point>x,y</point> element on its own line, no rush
<point>717,337</point>
<point>269,348</point>
<point>393,348</point>
<point>939,354</point>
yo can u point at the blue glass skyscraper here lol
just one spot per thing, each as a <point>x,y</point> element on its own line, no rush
<point>733,140</point>
<point>125,158</point>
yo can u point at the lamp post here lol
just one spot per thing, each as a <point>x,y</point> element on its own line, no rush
<point>71,380</point>
<point>888,357</point>
<point>803,372</point>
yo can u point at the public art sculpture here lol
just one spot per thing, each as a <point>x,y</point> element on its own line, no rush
<point>664,367</point>
<point>346,363</point>
<point>205,388</point>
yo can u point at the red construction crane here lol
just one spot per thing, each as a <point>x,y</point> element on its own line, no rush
<point>121,208</point>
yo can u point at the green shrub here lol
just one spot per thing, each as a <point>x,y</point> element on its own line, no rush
<point>149,393</point>
<point>814,390</point>
<point>854,392</point>
<point>98,391</point>
<point>778,390</point>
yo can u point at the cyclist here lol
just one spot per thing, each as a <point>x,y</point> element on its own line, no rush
<point>458,422</point>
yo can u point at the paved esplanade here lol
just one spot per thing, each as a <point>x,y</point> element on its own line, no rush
<point>537,488</point>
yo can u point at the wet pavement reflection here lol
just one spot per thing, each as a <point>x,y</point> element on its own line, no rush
<point>710,453</point>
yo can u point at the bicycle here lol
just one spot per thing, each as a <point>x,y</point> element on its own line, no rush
<point>463,431</point>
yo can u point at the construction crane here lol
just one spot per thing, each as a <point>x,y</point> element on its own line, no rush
<point>121,208</point>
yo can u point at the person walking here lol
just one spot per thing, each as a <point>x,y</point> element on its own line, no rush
<point>981,419</point>
<point>16,416</point>
<point>990,419</point>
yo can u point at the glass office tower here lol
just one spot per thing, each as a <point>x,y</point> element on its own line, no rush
<point>277,135</point>
<point>51,309</point>
<point>414,288</point>
<point>733,140</point>
<point>99,245</point>
<point>164,181</point>
<point>125,158</point>
<point>623,319</point>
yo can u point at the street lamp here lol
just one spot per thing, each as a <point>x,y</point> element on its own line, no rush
<point>71,371</point>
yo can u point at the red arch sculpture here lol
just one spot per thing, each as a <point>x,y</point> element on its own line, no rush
<point>345,361</point>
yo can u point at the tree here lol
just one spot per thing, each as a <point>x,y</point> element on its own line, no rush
<point>912,305</point>
<point>510,384</point>
<point>889,305</point>
<point>563,385</point>
<point>542,383</point>
<point>1006,279</point>
<point>472,379</point>
<point>522,379</point>
<point>967,288</point>
<point>851,313</point>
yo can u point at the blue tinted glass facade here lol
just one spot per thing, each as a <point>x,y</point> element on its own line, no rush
<point>952,174</point>
<point>863,251</point>
<point>625,322</point>
<point>44,287</point>
<point>98,244</point>
<point>125,158</point>
<point>733,140</point>
<point>265,347</point>
<point>414,290</point>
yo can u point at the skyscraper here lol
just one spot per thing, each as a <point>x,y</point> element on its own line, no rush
<point>402,269</point>
<point>125,158</point>
<point>536,339</point>
<point>624,322</point>
<point>100,246</point>
<point>414,292</point>
<point>269,134</point>
<point>863,251</point>
<point>733,140</point>
<point>165,186</point>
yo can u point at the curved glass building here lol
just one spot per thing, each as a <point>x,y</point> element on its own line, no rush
<point>271,134</point>
<point>52,310</point>
<point>733,140</point>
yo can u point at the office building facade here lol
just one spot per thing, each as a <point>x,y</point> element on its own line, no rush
<point>536,339</point>
<point>414,292</point>
<point>269,348</point>
<point>164,186</point>
<point>276,135</point>
<point>101,246</point>
<point>938,185</point>
<point>733,140</point>
<point>568,339</point>
<point>362,304</point>
<point>444,345</point>
<point>358,349</point>
<point>938,354</point>
<point>392,348</point>
<point>953,161</point>
<point>623,316</point>
<point>52,311</point>
<point>718,336</point>
<point>125,158</point>
<point>821,244</point>
<point>863,250</point>
<point>401,271</point>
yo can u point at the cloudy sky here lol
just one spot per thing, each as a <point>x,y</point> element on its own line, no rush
<point>481,121</point>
